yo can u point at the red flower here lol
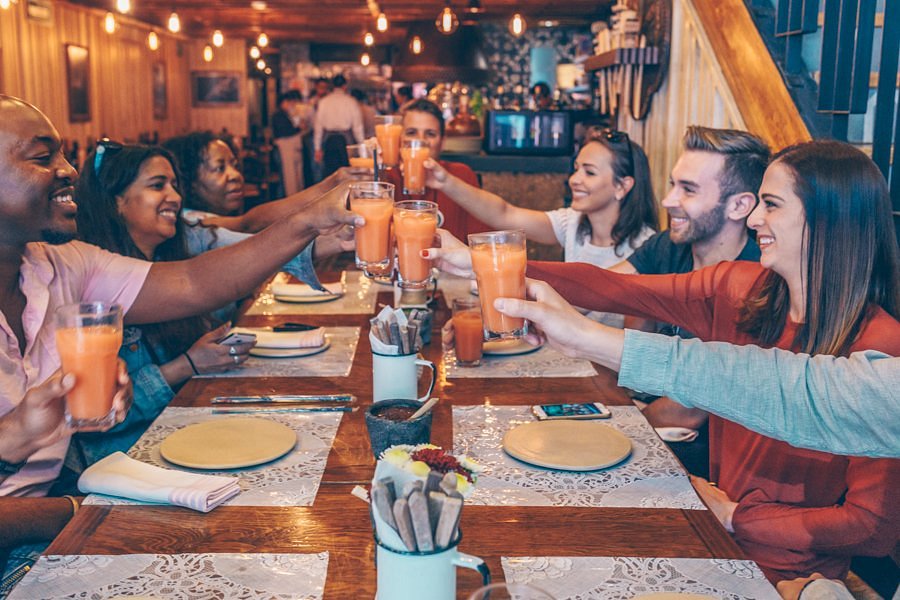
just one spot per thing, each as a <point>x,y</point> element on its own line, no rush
<point>441,462</point>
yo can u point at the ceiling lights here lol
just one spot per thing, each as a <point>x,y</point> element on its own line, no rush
<point>123,6</point>
<point>447,21</point>
<point>416,45</point>
<point>263,40</point>
<point>218,39</point>
<point>174,23</point>
<point>381,23</point>
<point>153,41</point>
<point>517,25</point>
<point>261,65</point>
<point>254,52</point>
<point>365,59</point>
<point>207,53</point>
<point>109,23</point>
<point>5,4</point>
<point>474,7</point>
<point>258,5</point>
<point>368,39</point>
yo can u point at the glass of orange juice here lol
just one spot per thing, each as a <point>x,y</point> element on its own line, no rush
<point>360,156</point>
<point>498,259</point>
<point>388,129</point>
<point>414,152</point>
<point>468,331</point>
<point>415,225</point>
<point>374,201</point>
<point>88,337</point>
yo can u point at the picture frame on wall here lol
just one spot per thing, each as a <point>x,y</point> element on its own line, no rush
<point>78,83</point>
<point>160,97</point>
<point>212,89</point>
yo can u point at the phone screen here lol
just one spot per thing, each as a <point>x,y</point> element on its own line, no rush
<point>569,410</point>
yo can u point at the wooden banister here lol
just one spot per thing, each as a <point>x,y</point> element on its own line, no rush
<point>755,81</point>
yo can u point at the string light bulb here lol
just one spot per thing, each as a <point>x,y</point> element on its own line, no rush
<point>447,22</point>
<point>5,4</point>
<point>365,59</point>
<point>123,6</point>
<point>218,38</point>
<point>254,52</point>
<point>261,65</point>
<point>109,23</point>
<point>381,23</point>
<point>174,23</point>
<point>268,71</point>
<point>207,53</point>
<point>416,45</point>
<point>517,25</point>
<point>368,39</point>
<point>263,40</point>
<point>153,41</point>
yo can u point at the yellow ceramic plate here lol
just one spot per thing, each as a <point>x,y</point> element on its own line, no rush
<point>567,444</point>
<point>288,352</point>
<point>229,443</point>
<point>508,348</point>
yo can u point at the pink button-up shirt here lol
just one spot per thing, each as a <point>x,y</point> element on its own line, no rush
<point>52,276</point>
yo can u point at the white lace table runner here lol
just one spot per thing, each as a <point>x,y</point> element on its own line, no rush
<point>181,576</point>
<point>358,299</point>
<point>621,578</point>
<point>650,478</point>
<point>292,480</point>
<point>544,362</point>
<point>335,361</point>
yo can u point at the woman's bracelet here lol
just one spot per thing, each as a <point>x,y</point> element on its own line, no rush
<point>75,504</point>
<point>190,362</point>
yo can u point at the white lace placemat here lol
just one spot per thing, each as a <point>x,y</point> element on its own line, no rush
<point>544,362</point>
<point>621,578</point>
<point>358,299</point>
<point>334,361</point>
<point>292,480</point>
<point>650,478</point>
<point>454,287</point>
<point>182,576</point>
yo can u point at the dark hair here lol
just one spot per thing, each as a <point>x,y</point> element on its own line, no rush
<point>638,209</point>
<point>359,95</point>
<point>852,261</point>
<point>406,91</point>
<point>100,223</point>
<point>426,106</point>
<point>190,151</point>
<point>290,95</point>
<point>339,81</point>
<point>746,157</point>
<point>540,89</point>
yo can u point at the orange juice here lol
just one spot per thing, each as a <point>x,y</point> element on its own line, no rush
<point>362,162</point>
<point>468,332</point>
<point>90,353</point>
<point>388,137</point>
<point>372,239</point>
<point>415,232</point>
<point>414,169</point>
<point>500,271</point>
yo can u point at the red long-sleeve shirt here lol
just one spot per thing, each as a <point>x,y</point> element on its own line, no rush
<point>799,511</point>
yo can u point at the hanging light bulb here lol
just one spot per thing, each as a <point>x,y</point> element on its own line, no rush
<point>261,65</point>
<point>123,6</point>
<point>254,52</point>
<point>416,45</point>
<point>368,39</point>
<point>446,21</point>
<point>268,71</point>
<point>263,40</point>
<point>174,23</point>
<point>5,4</point>
<point>365,59</point>
<point>218,38</point>
<point>109,23</point>
<point>207,53</point>
<point>474,7</point>
<point>153,41</point>
<point>381,23</point>
<point>517,25</point>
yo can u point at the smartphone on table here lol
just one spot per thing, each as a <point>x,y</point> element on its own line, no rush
<point>586,410</point>
<point>234,338</point>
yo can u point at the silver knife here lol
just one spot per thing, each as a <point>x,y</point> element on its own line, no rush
<point>292,409</point>
<point>283,398</point>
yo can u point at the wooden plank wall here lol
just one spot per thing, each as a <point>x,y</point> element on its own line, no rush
<point>232,57</point>
<point>32,67</point>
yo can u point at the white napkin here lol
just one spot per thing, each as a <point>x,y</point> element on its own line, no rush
<point>677,434</point>
<point>300,290</point>
<point>266,338</point>
<point>119,475</point>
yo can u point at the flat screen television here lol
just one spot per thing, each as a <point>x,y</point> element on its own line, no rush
<point>528,132</point>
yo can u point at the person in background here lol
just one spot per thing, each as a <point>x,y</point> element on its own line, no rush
<point>542,96</point>
<point>368,112</point>
<point>338,122</point>
<point>287,137</point>
<point>613,208</point>
<point>403,95</point>
<point>312,171</point>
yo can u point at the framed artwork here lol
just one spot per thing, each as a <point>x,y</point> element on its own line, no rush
<point>78,80</point>
<point>216,88</point>
<point>160,99</point>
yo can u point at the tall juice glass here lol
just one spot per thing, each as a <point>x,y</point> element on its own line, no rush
<point>468,331</point>
<point>413,153</point>
<point>415,224</point>
<point>88,337</point>
<point>498,259</point>
<point>360,156</point>
<point>388,129</point>
<point>374,201</point>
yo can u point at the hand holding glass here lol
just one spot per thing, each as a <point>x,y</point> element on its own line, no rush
<point>468,331</point>
<point>415,225</point>
<point>374,201</point>
<point>388,129</point>
<point>414,154</point>
<point>499,259</point>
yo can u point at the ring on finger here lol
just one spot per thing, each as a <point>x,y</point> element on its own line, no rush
<point>232,351</point>
<point>236,358</point>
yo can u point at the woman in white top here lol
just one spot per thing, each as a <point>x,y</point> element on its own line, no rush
<point>613,207</point>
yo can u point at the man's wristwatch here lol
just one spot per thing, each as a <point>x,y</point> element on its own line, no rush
<point>8,468</point>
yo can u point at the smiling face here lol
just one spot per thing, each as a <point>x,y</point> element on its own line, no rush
<point>150,205</point>
<point>593,184</point>
<point>419,125</point>
<point>780,223</point>
<point>694,203</point>
<point>36,193</point>
<point>219,186</point>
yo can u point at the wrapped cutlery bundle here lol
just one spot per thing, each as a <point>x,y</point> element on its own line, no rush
<point>417,497</point>
<point>393,332</point>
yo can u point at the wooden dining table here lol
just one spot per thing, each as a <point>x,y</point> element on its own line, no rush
<point>339,523</point>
